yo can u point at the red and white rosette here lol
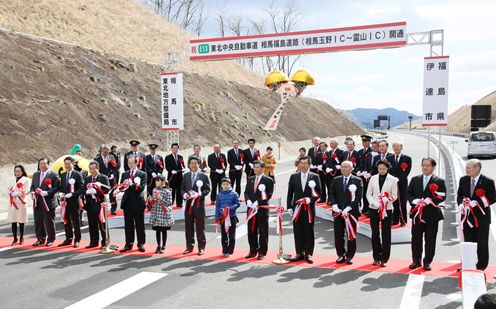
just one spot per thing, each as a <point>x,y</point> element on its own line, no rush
<point>403,166</point>
<point>257,155</point>
<point>63,207</point>
<point>324,159</point>
<point>384,199</point>
<point>312,185</point>
<point>241,158</point>
<point>263,194</point>
<point>101,213</point>
<point>481,193</point>
<point>419,207</point>
<point>113,163</point>
<point>141,161</point>
<point>303,203</point>
<point>353,160</point>
<point>71,185</point>
<point>433,188</point>
<point>48,182</point>
<point>222,163</point>
<point>352,188</point>
<point>335,157</point>
<point>160,164</point>
<point>351,231</point>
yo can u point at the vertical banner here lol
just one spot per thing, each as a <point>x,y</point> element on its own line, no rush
<point>172,101</point>
<point>435,103</point>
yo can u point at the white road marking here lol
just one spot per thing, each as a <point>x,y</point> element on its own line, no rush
<point>413,292</point>
<point>118,291</point>
<point>242,230</point>
<point>63,233</point>
<point>6,248</point>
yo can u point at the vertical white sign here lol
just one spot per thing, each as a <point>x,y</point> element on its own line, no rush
<point>172,101</point>
<point>436,77</point>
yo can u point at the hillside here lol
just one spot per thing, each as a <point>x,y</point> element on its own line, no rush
<point>53,95</point>
<point>366,116</point>
<point>122,27</point>
<point>459,120</point>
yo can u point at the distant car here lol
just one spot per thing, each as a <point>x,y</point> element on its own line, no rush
<point>481,144</point>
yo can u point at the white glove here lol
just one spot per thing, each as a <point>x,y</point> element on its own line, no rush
<point>307,200</point>
<point>44,193</point>
<point>255,205</point>
<point>415,201</point>
<point>338,167</point>
<point>461,207</point>
<point>347,209</point>
<point>90,191</point>
<point>185,196</point>
<point>154,175</point>
<point>312,167</point>
<point>248,203</point>
<point>174,172</point>
<point>206,169</point>
<point>335,208</point>
<point>290,212</point>
<point>328,170</point>
<point>14,193</point>
<point>194,195</point>
<point>219,171</point>
<point>68,195</point>
<point>251,165</point>
<point>376,204</point>
<point>111,177</point>
<point>319,167</point>
<point>137,180</point>
<point>238,167</point>
<point>183,170</point>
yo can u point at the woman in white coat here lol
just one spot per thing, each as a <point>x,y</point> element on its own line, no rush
<point>382,191</point>
<point>18,195</point>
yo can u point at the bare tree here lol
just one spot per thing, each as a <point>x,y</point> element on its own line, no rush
<point>221,20</point>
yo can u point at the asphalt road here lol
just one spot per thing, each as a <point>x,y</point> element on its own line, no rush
<point>60,278</point>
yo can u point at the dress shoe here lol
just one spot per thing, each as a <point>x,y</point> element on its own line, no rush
<point>187,251</point>
<point>415,265</point>
<point>76,244</point>
<point>459,269</point>
<point>157,250</point>
<point>427,266</point>
<point>260,257</point>
<point>14,242</point>
<point>66,242</point>
<point>298,257</point>
<point>375,263</point>
<point>21,241</point>
<point>341,260</point>
<point>113,213</point>
<point>162,250</point>
<point>383,264</point>
<point>349,261</point>
<point>91,246</point>
<point>38,243</point>
<point>141,248</point>
<point>126,249</point>
<point>309,259</point>
<point>251,255</point>
<point>201,252</point>
<point>49,244</point>
<point>403,224</point>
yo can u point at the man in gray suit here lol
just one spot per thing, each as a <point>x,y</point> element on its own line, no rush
<point>195,187</point>
<point>44,186</point>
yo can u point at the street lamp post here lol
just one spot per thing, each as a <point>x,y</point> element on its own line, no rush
<point>410,127</point>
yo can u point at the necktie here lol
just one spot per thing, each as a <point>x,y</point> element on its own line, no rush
<point>257,180</point>
<point>67,179</point>
<point>397,159</point>
<point>472,187</point>
<point>382,157</point>
<point>193,179</point>
<point>252,153</point>
<point>236,152</point>
<point>426,180</point>
<point>175,158</point>
<point>132,174</point>
<point>42,176</point>
<point>349,155</point>
<point>94,179</point>
<point>304,182</point>
<point>345,183</point>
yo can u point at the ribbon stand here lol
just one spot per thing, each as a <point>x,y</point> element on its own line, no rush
<point>281,257</point>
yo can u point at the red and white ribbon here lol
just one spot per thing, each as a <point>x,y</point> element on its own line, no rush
<point>263,194</point>
<point>35,198</point>
<point>71,184</point>
<point>350,229</point>
<point>101,214</point>
<point>63,208</point>
<point>312,186</point>
<point>302,203</point>
<point>384,199</point>
<point>241,157</point>
<point>352,188</point>
<point>225,219</point>
<point>251,215</point>
<point>221,160</point>
<point>419,207</point>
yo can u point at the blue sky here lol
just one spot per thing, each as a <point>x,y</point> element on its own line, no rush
<point>391,77</point>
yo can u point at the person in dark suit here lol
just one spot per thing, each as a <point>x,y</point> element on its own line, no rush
<point>197,154</point>
<point>235,158</point>
<point>401,165</point>
<point>133,204</point>
<point>217,162</point>
<point>382,155</point>
<point>195,187</point>
<point>350,154</point>
<point>258,191</point>
<point>313,151</point>
<point>44,186</point>
<point>250,154</point>
<point>97,186</point>
<point>476,193</point>
<point>321,162</point>
<point>304,190</point>
<point>425,191</point>
<point>154,166</point>
<point>109,166</point>
<point>363,155</point>
<point>135,152</point>
<point>174,164</point>
<point>345,195</point>
<point>333,164</point>
<point>72,188</point>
